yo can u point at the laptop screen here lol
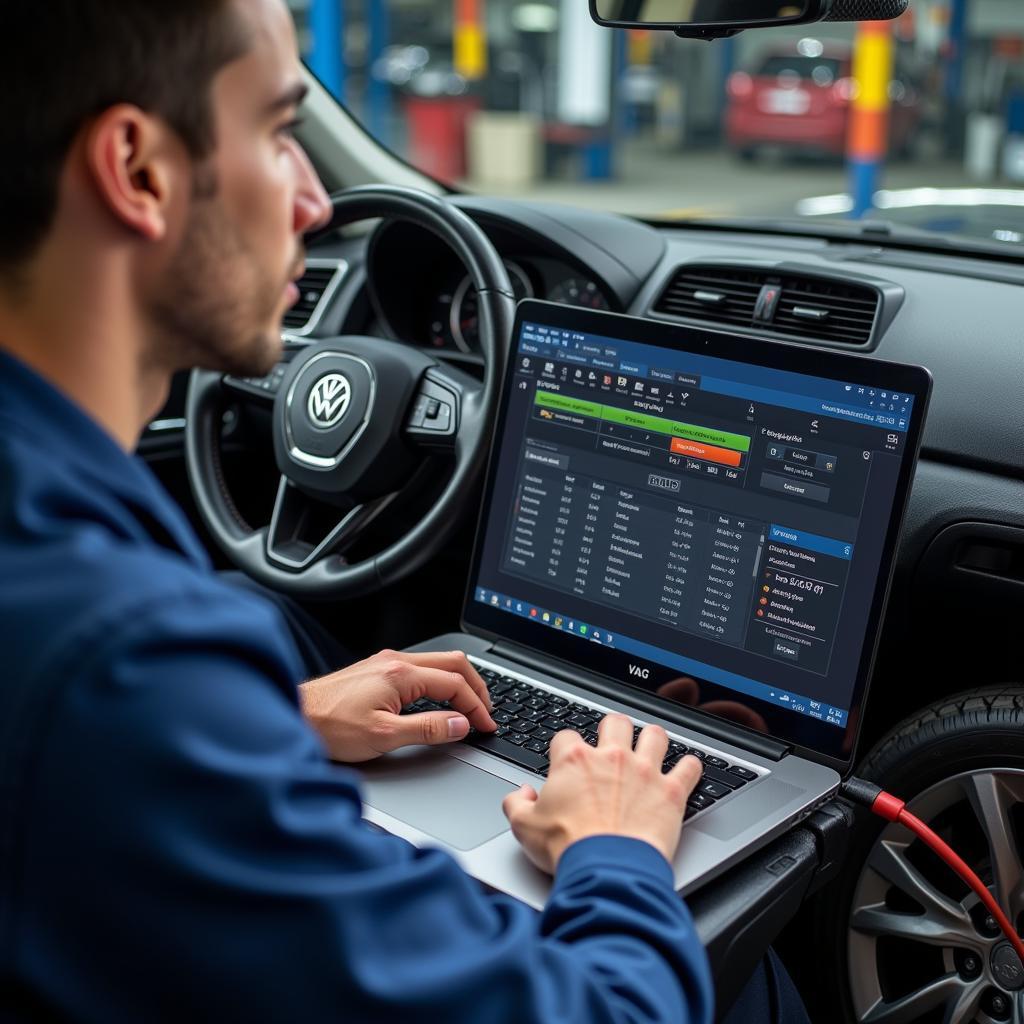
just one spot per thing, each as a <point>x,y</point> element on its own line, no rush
<point>705,517</point>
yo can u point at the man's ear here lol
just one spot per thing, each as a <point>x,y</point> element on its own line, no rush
<point>135,160</point>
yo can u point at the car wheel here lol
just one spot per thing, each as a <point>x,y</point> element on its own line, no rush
<point>747,154</point>
<point>906,940</point>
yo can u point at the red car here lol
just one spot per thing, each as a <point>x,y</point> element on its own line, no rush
<point>799,98</point>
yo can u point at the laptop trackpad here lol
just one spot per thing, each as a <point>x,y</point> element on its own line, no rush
<point>446,798</point>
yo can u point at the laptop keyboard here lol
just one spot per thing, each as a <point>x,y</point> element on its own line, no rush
<point>528,718</point>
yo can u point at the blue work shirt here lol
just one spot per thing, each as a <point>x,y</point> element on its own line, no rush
<point>174,843</point>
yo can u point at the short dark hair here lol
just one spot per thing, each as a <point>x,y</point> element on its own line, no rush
<point>66,61</point>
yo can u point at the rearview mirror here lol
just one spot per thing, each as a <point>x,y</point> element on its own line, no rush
<point>712,19</point>
<point>709,18</point>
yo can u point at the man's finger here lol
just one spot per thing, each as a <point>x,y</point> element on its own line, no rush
<point>430,727</point>
<point>440,685</point>
<point>615,731</point>
<point>688,772</point>
<point>562,742</point>
<point>519,801</point>
<point>652,743</point>
<point>453,661</point>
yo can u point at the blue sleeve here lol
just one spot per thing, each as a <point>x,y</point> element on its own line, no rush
<point>190,853</point>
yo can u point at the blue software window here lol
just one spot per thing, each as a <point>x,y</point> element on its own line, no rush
<point>707,515</point>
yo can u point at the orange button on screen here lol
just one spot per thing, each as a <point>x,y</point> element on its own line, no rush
<point>707,452</point>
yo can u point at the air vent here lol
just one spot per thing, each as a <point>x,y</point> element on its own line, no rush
<point>806,307</point>
<point>316,286</point>
<point>721,295</point>
<point>835,311</point>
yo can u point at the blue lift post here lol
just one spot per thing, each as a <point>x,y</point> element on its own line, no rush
<point>599,154</point>
<point>954,83</point>
<point>868,139</point>
<point>597,159</point>
<point>957,53</point>
<point>326,57</point>
<point>378,91</point>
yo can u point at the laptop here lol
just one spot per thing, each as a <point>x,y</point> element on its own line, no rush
<point>692,528</point>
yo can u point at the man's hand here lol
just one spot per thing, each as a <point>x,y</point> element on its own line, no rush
<point>357,711</point>
<point>609,789</point>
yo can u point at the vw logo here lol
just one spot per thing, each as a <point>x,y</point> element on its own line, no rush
<point>1006,967</point>
<point>329,400</point>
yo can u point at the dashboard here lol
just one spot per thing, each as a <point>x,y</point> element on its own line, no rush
<point>958,317</point>
<point>423,295</point>
<point>453,320</point>
<point>959,585</point>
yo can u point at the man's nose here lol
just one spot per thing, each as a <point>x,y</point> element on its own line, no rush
<point>312,204</point>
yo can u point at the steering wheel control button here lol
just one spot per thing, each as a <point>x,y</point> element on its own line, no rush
<point>433,412</point>
<point>440,419</point>
<point>1007,968</point>
<point>268,385</point>
<point>419,412</point>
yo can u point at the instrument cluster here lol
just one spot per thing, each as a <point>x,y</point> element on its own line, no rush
<point>454,315</point>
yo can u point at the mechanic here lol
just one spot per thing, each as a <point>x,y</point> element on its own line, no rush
<point>175,839</point>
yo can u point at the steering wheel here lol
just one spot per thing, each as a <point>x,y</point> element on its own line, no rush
<point>353,419</point>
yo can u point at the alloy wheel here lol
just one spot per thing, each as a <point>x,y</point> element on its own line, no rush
<point>922,948</point>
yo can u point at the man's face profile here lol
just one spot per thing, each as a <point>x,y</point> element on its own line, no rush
<point>225,287</point>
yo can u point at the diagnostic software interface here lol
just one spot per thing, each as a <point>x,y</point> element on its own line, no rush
<point>720,518</point>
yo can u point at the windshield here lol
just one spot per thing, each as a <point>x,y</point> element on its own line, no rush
<point>921,123</point>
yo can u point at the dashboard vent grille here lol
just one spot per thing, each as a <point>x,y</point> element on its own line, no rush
<point>315,288</point>
<point>805,307</point>
<point>835,311</point>
<point>723,295</point>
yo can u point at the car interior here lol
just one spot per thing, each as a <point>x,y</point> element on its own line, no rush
<point>423,277</point>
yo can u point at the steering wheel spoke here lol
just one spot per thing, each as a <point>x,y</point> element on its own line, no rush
<point>303,531</point>
<point>259,390</point>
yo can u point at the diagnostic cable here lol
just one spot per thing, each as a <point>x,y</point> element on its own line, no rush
<point>891,808</point>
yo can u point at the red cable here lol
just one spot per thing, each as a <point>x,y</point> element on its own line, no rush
<point>893,809</point>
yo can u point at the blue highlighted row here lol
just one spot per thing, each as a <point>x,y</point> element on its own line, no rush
<point>812,542</point>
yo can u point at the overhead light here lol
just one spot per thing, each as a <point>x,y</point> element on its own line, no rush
<point>825,206</point>
<point>909,198</point>
<point>535,18</point>
<point>889,199</point>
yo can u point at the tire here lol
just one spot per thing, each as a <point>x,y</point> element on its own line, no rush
<point>746,154</point>
<point>956,758</point>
